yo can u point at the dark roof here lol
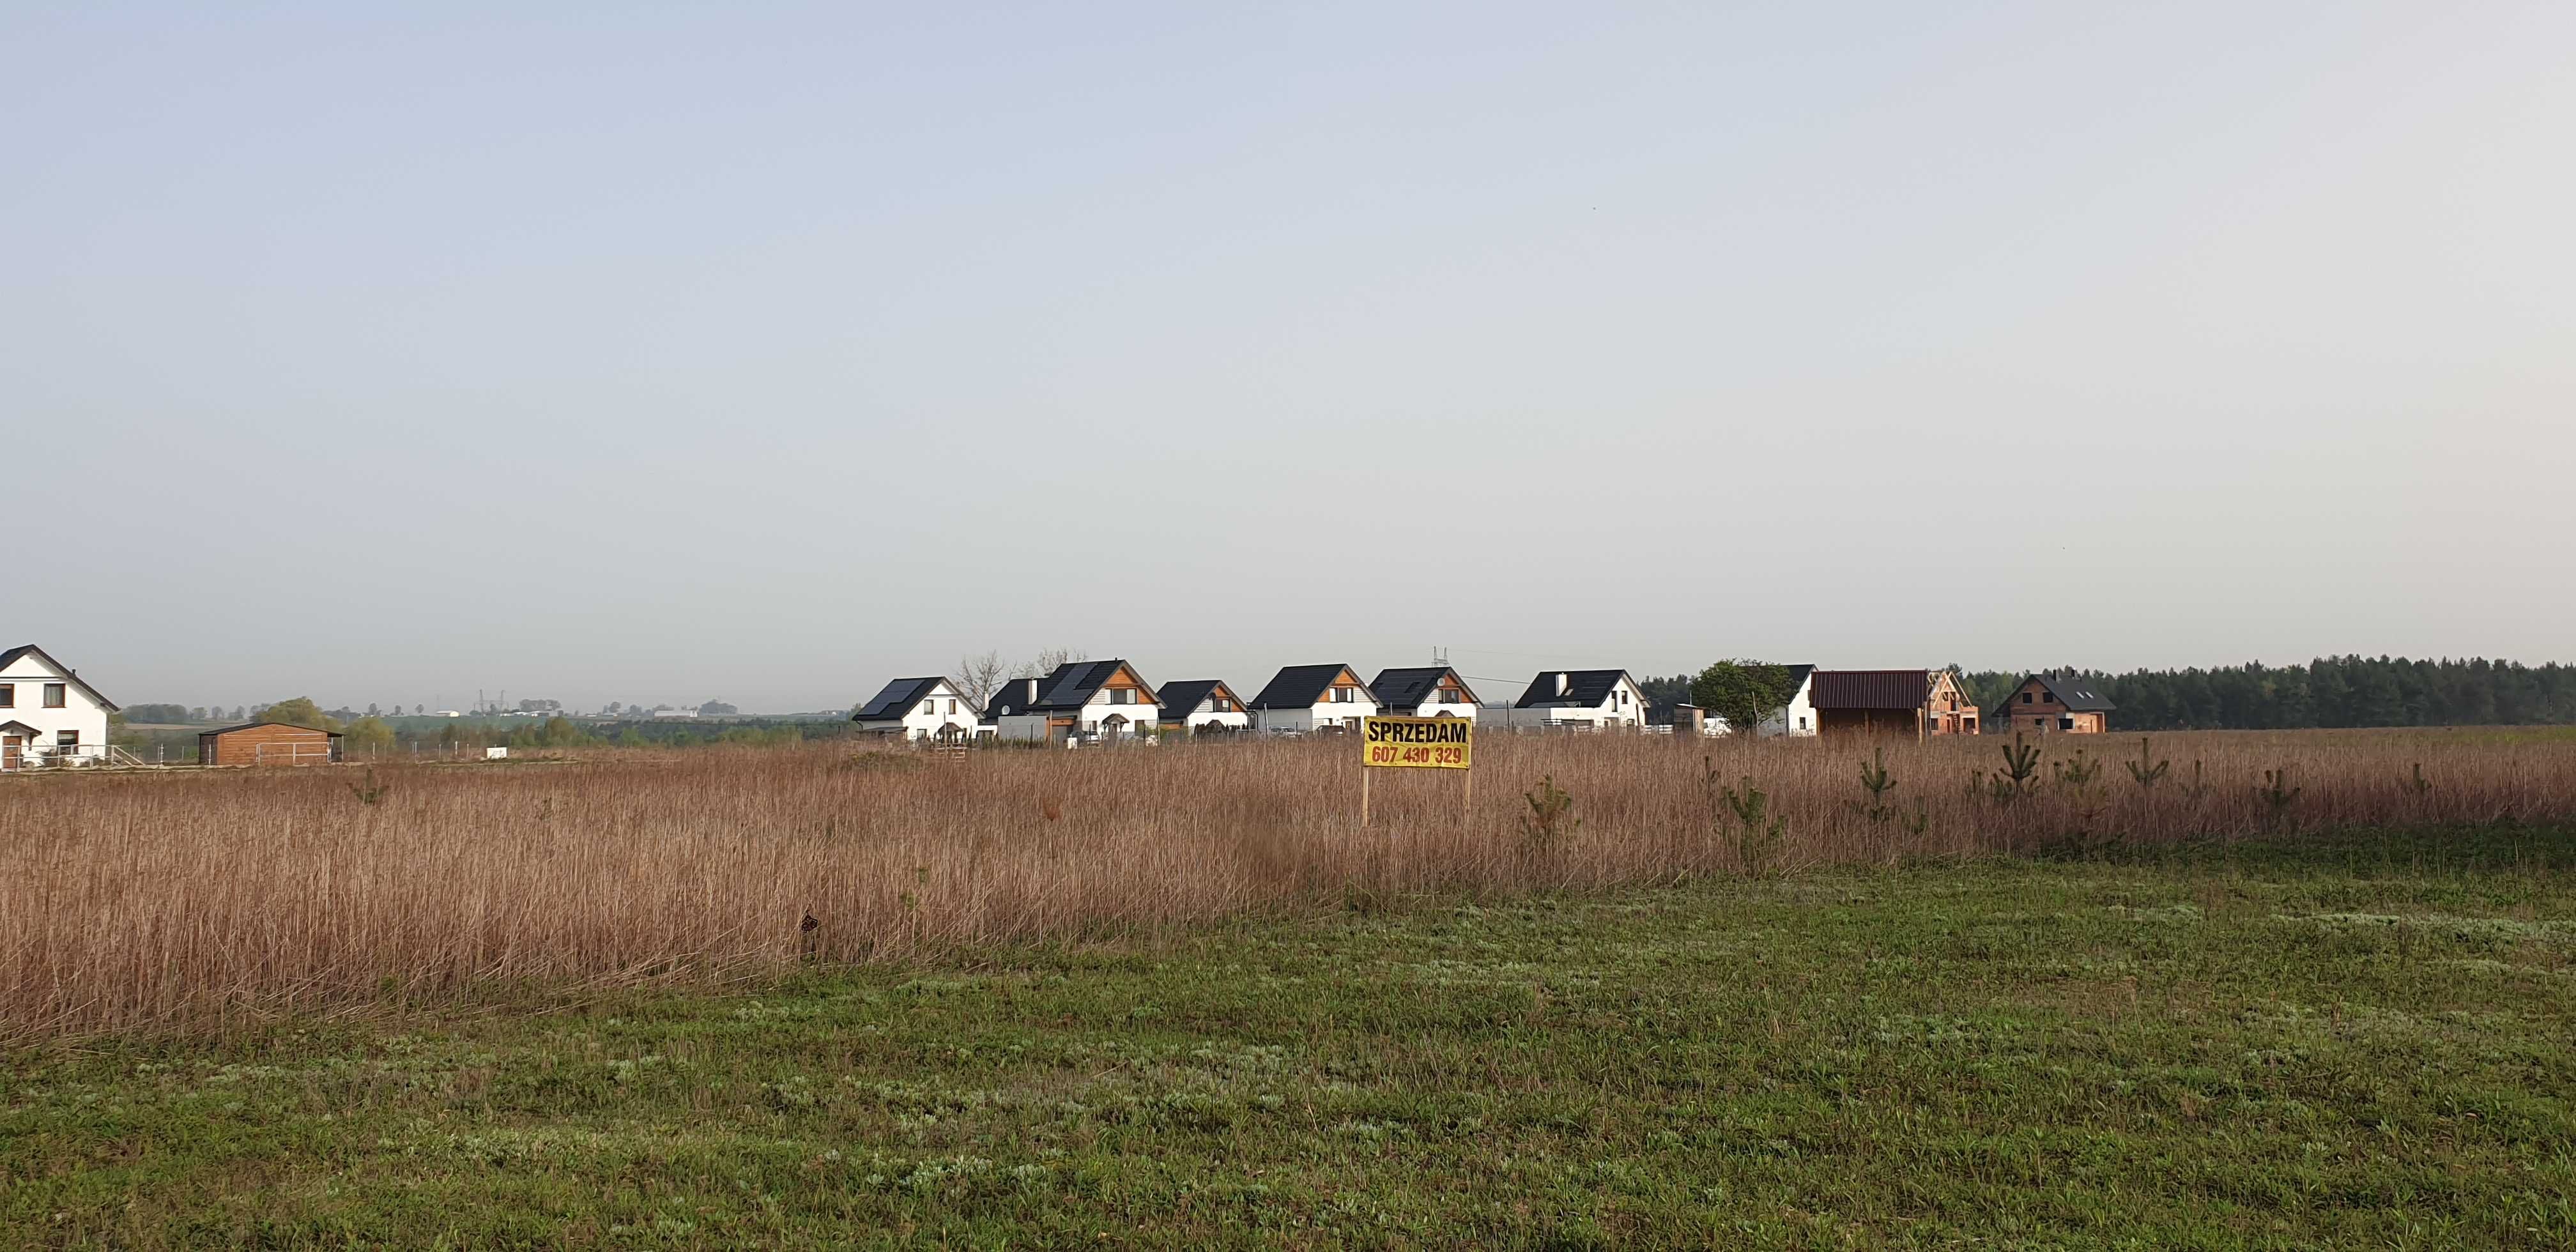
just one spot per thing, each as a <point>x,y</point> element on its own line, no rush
<point>1013,696</point>
<point>1871,688</point>
<point>1408,688</point>
<point>1180,699</point>
<point>897,698</point>
<point>19,727</point>
<point>2079,695</point>
<point>226,730</point>
<point>1584,688</point>
<point>1074,683</point>
<point>69,674</point>
<point>1798,675</point>
<point>1298,686</point>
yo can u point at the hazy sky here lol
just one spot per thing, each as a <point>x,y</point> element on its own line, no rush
<point>762,353</point>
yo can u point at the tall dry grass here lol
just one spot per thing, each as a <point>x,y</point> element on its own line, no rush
<point>192,900</point>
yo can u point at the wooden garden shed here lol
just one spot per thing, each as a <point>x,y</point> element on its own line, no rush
<point>268,743</point>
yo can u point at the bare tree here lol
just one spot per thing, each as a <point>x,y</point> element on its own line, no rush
<point>980,676</point>
<point>1047,660</point>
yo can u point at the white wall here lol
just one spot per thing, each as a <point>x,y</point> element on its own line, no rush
<point>944,706</point>
<point>1612,711</point>
<point>1796,720</point>
<point>79,713</point>
<point>1467,711</point>
<point>1206,715</point>
<point>1304,720</point>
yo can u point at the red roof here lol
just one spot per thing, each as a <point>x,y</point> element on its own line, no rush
<point>1871,688</point>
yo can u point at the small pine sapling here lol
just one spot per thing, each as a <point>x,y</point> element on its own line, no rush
<point>1757,834</point>
<point>2146,773</point>
<point>2278,795</point>
<point>2020,774</point>
<point>2418,783</point>
<point>1550,819</point>
<point>2077,775</point>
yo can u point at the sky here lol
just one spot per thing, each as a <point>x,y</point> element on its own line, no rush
<point>762,353</point>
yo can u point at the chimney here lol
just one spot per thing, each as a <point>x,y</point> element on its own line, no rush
<point>1564,682</point>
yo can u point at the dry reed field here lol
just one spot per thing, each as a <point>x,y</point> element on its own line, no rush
<point>197,900</point>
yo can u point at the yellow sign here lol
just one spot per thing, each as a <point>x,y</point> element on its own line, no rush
<point>1418,742</point>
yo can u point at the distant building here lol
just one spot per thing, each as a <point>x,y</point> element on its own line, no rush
<point>1203,704</point>
<point>1423,691</point>
<point>2055,703</point>
<point>1891,702</point>
<point>1081,701</point>
<point>1305,699</point>
<point>920,708</point>
<point>1580,699</point>
<point>1797,718</point>
<point>48,716</point>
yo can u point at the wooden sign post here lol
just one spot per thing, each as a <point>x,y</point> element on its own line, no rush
<point>1416,743</point>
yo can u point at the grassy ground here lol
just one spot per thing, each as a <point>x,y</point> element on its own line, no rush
<point>2346,1043</point>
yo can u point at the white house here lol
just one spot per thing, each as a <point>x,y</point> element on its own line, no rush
<point>920,708</point>
<point>1304,699</point>
<point>48,716</point>
<point>1582,699</point>
<point>1423,691</point>
<point>1797,719</point>
<point>1082,701</point>
<point>1202,705</point>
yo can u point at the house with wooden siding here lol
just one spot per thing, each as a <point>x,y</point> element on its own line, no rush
<point>1423,691</point>
<point>1080,702</point>
<point>1304,699</point>
<point>920,708</point>
<point>1579,699</point>
<point>268,743</point>
<point>2055,704</point>
<point>48,715</point>
<point>1915,702</point>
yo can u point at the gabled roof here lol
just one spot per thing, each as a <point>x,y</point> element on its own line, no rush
<point>1408,688</point>
<point>1183,698</point>
<point>226,730</point>
<point>69,674</point>
<point>1584,688</point>
<point>1300,686</point>
<point>18,728</point>
<point>897,699</point>
<point>1074,683</point>
<point>1871,688</point>
<point>2079,695</point>
<point>1013,696</point>
<point>1798,678</point>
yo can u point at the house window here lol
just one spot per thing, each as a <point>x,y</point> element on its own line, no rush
<point>1122,695</point>
<point>2025,697</point>
<point>929,706</point>
<point>1802,723</point>
<point>2066,723</point>
<point>67,738</point>
<point>952,706</point>
<point>54,693</point>
<point>8,695</point>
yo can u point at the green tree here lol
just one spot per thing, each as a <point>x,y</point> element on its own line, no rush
<point>1742,692</point>
<point>370,733</point>
<point>300,711</point>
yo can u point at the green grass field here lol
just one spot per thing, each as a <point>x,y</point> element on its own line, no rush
<point>2349,1043</point>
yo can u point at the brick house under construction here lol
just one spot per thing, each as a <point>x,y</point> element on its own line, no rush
<point>1891,702</point>
<point>2056,704</point>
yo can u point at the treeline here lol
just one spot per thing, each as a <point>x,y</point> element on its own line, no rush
<point>2326,693</point>
<point>2329,692</point>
